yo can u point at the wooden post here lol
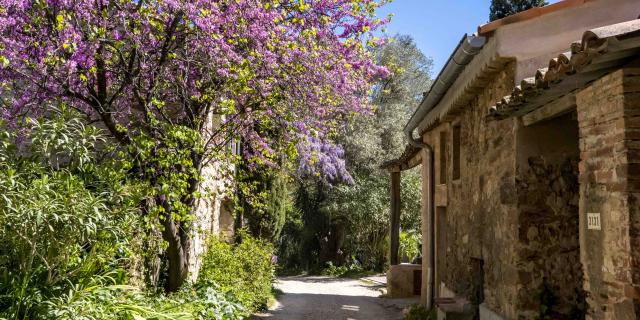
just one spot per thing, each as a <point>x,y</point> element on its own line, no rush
<point>428,184</point>
<point>395,217</point>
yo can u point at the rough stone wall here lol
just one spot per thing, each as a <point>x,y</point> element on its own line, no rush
<point>609,120</point>
<point>207,215</point>
<point>212,214</point>
<point>481,216</point>
<point>548,197</point>
<point>513,211</point>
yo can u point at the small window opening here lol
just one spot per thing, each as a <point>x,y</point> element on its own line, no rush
<point>456,152</point>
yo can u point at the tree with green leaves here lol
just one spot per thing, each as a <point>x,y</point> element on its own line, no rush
<point>504,8</point>
<point>365,204</point>
<point>264,198</point>
<point>350,221</point>
<point>155,75</point>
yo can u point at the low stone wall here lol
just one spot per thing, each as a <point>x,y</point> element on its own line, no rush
<point>401,279</point>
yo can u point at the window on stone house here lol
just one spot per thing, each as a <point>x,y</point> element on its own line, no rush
<point>234,147</point>
<point>443,157</point>
<point>456,152</point>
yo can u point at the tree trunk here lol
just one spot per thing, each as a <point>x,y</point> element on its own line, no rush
<point>178,242</point>
<point>178,236</point>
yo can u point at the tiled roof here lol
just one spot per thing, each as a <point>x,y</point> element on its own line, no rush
<point>600,51</point>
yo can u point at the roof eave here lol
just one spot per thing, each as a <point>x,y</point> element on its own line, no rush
<point>601,51</point>
<point>467,48</point>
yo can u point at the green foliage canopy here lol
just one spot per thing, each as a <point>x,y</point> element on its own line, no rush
<point>264,199</point>
<point>365,204</point>
<point>504,8</point>
<point>349,222</point>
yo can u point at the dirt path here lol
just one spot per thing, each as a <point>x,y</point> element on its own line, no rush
<point>323,298</point>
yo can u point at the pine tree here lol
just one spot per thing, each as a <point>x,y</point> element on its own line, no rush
<point>265,199</point>
<point>504,8</point>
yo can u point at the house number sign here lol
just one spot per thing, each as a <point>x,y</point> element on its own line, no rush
<point>593,221</point>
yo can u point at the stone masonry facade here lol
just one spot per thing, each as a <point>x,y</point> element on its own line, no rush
<point>549,268</point>
<point>609,117</point>
<point>536,205</point>
<point>480,208</point>
<point>514,222</point>
<point>516,237</point>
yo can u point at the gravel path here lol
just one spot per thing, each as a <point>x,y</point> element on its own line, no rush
<point>324,298</point>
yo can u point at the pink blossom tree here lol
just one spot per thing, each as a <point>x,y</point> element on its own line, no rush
<point>154,72</point>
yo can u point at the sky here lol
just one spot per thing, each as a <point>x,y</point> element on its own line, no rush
<point>437,25</point>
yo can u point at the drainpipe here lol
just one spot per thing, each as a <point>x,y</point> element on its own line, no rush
<point>466,50</point>
<point>430,203</point>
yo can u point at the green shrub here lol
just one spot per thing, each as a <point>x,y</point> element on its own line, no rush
<point>410,245</point>
<point>68,219</point>
<point>347,270</point>
<point>103,299</point>
<point>64,215</point>
<point>265,200</point>
<point>419,312</point>
<point>244,270</point>
<point>334,270</point>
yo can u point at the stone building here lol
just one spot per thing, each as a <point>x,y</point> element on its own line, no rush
<point>213,216</point>
<point>214,213</point>
<point>529,146</point>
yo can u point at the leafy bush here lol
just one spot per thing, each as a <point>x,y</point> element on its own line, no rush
<point>333,270</point>
<point>419,312</point>
<point>410,245</point>
<point>347,270</point>
<point>64,215</point>
<point>68,217</point>
<point>100,300</point>
<point>244,270</point>
<point>265,200</point>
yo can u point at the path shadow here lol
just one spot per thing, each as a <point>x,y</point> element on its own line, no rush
<point>303,306</point>
<point>314,279</point>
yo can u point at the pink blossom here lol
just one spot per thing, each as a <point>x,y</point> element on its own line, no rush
<point>113,60</point>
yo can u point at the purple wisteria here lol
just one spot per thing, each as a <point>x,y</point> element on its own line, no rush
<point>323,156</point>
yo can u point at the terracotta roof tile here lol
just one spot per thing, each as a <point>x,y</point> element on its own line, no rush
<point>600,51</point>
